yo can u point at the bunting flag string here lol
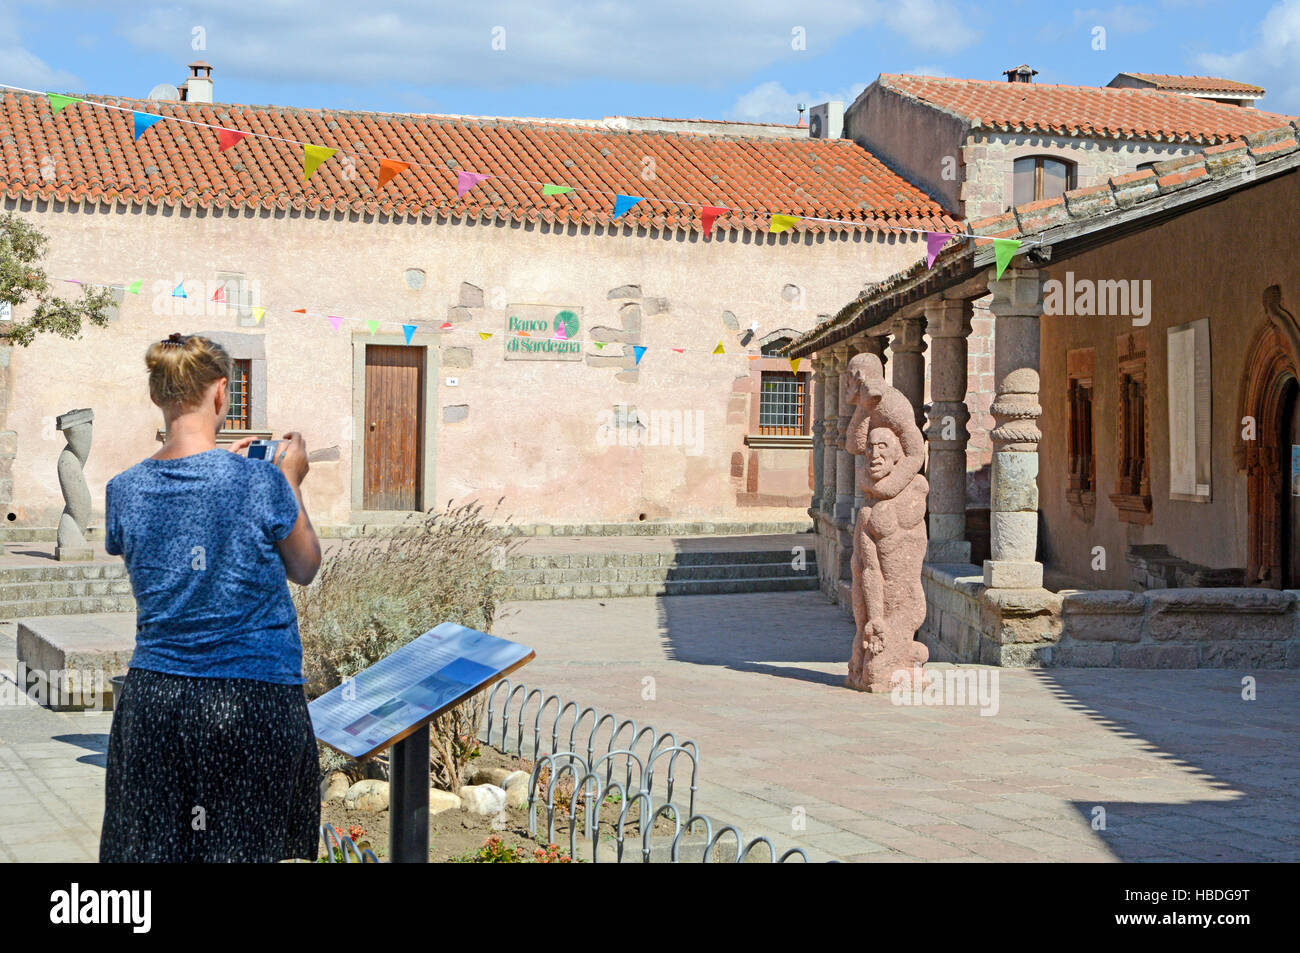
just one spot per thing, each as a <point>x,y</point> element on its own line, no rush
<point>314,155</point>
<point>638,351</point>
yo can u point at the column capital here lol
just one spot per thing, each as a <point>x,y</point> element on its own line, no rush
<point>908,337</point>
<point>1019,292</point>
<point>949,318</point>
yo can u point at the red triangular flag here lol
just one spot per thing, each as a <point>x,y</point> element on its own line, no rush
<point>219,294</point>
<point>228,137</point>
<point>389,168</point>
<point>707,216</point>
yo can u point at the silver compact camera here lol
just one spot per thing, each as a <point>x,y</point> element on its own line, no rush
<point>263,450</point>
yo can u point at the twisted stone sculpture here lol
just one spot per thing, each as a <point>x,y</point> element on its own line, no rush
<point>889,537</point>
<point>75,426</point>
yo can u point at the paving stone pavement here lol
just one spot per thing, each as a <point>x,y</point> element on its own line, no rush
<point>1184,768</point>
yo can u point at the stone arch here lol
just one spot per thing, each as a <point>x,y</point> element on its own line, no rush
<point>1272,370</point>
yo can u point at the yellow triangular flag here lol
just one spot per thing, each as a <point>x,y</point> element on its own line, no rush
<point>484,335</point>
<point>794,364</point>
<point>312,157</point>
<point>258,314</point>
<point>718,349</point>
<point>781,223</point>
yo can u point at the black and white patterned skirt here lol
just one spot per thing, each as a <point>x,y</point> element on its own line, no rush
<point>210,770</point>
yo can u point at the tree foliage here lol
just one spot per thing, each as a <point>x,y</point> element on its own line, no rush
<point>22,247</point>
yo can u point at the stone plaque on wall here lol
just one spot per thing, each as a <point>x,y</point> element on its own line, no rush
<point>543,332</point>
<point>1189,412</point>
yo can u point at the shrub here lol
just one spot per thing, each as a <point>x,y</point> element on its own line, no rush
<point>375,595</point>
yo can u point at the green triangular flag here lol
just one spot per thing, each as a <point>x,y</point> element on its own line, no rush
<point>135,286</point>
<point>599,344</point>
<point>1004,249</point>
<point>373,326</point>
<point>556,189</point>
<point>58,102</point>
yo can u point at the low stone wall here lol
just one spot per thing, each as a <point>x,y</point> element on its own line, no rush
<point>1181,628</point>
<point>966,623</point>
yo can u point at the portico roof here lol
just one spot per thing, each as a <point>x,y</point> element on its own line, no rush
<point>1062,227</point>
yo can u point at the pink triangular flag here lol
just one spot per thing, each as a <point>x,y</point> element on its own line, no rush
<point>934,241</point>
<point>467,180</point>
<point>559,332</point>
<point>336,321</point>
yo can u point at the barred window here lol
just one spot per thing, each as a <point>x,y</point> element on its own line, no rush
<point>241,396</point>
<point>783,404</point>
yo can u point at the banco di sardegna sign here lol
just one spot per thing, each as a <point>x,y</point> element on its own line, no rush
<point>540,323</point>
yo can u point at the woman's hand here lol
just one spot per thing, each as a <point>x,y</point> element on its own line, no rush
<point>292,458</point>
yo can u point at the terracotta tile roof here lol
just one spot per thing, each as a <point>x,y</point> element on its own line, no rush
<point>1091,111</point>
<point>1220,168</point>
<point>96,160</point>
<point>1200,84</point>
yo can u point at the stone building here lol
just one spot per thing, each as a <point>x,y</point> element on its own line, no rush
<point>1145,478</point>
<point>981,146</point>
<point>569,432</point>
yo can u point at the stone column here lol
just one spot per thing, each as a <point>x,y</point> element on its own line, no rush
<point>909,362</point>
<point>830,428</point>
<point>1013,499</point>
<point>818,388</point>
<point>844,461</point>
<point>948,323</point>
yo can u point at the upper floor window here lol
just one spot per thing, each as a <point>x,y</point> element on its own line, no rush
<point>1041,177</point>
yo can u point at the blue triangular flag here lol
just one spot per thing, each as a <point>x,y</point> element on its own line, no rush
<point>638,351</point>
<point>143,121</point>
<point>180,291</point>
<point>624,202</point>
<point>408,330</point>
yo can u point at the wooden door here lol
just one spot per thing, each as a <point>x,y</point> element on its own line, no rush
<point>394,428</point>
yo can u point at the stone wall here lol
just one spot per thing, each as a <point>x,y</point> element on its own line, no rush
<point>1181,628</point>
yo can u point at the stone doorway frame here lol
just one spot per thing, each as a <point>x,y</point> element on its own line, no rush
<point>1272,362</point>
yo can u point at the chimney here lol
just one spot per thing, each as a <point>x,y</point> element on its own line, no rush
<point>1020,74</point>
<point>198,88</point>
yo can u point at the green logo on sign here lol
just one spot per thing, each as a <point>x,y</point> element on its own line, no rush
<point>570,322</point>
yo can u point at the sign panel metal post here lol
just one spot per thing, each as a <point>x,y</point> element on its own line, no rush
<point>408,799</point>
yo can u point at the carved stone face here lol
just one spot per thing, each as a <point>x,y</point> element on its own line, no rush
<point>886,451</point>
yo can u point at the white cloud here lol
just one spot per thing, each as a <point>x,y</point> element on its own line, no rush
<point>1270,62</point>
<point>26,69</point>
<point>772,102</point>
<point>426,42</point>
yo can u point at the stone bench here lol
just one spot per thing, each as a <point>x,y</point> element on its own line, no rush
<point>65,661</point>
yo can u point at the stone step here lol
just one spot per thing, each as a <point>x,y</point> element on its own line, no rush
<point>775,557</point>
<point>62,571</point>
<point>692,587</point>
<point>68,606</point>
<point>28,591</point>
<point>616,574</point>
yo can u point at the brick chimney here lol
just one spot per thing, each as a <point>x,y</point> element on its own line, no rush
<point>198,88</point>
<point>1020,74</point>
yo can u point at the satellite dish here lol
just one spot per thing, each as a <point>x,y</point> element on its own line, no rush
<point>165,92</point>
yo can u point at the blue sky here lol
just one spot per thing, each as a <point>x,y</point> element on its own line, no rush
<point>581,59</point>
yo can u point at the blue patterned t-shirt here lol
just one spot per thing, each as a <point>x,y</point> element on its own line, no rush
<point>198,535</point>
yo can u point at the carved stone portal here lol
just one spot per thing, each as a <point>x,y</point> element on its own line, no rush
<point>890,536</point>
<point>72,545</point>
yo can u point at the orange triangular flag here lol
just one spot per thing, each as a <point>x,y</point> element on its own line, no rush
<point>389,168</point>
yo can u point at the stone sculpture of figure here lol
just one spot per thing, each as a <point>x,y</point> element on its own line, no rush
<point>889,538</point>
<point>75,426</point>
